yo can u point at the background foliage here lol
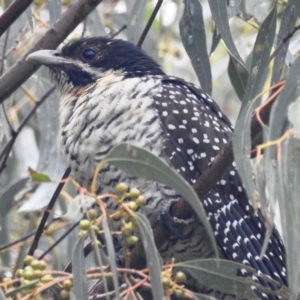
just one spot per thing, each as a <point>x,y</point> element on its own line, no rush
<point>224,45</point>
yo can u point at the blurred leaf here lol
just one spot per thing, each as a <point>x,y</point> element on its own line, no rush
<point>8,194</point>
<point>112,256</point>
<point>238,76</point>
<point>136,20</point>
<point>294,117</point>
<point>215,40</point>
<point>38,177</point>
<point>78,207</point>
<point>289,190</point>
<point>22,289</point>
<point>261,54</point>
<point>79,272</point>
<point>152,255</point>
<point>95,25</point>
<point>192,32</point>
<point>142,163</point>
<point>242,148</point>
<point>288,20</point>
<point>219,13</point>
<point>28,13</point>
<point>282,186</point>
<point>2,297</point>
<point>222,275</point>
<point>54,7</point>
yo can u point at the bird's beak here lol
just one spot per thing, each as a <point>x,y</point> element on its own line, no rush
<point>47,57</point>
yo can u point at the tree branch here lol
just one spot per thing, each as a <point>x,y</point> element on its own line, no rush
<point>12,13</point>
<point>23,69</point>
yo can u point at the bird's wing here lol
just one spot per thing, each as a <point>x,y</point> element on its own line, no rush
<point>196,129</point>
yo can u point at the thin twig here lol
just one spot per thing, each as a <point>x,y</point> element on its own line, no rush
<point>47,212</point>
<point>7,148</point>
<point>149,24</point>
<point>58,240</point>
<point>12,13</point>
<point>22,69</point>
<point>119,31</point>
<point>283,42</point>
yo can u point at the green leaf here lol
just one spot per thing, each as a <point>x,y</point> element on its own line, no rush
<point>219,12</point>
<point>78,207</point>
<point>242,148</point>
<point>215,40</point>
<point>192,32</point>
<point>79,272</point>
<point>112,256</point>
<point>293,116</point>
<point>289,17</point>
<point>152,255</point>
<point>21,289</point>
<point>238,76</point>
<point>261,53</point>
<point>142,163</point>
<point>2,297</point>
<point>38,177</point>
<point>222,276</point>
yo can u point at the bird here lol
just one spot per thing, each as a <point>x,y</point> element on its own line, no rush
<point>111,92</point>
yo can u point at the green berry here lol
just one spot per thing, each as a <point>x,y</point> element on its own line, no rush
<point>29,275</point>
<point>67,284</point>
<point>92,214</point>
<point>28,259</point>
<point>85,224</point>
<point>46,278</point>
<point>179,293</point>
<point>19,273</point>
<point>132,205</point>
<point>141,200</point>
<point>132,240</point>
<point>180,277</point>
<point>64,294</point>
<point>122,187</point>
<point>166,282</point>
<point>134,193</point>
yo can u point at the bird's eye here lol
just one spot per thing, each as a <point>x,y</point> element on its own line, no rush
<point>88,55</point>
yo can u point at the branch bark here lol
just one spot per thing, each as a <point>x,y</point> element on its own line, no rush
<point>23,69</point>
<point>12,13</point>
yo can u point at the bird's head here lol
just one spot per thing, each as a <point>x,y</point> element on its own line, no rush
<point>84,61</point>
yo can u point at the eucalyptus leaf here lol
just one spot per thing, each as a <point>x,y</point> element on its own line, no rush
<point>79,272</point>
<point>192,32</point>
<point>219,13</point>
<point>142,163</point>
<point>112,256</point>
<point>54,8</point>
<point>78,207</point>
<point>152,256</point>
<point>261,53</point>
<point>289,17</point>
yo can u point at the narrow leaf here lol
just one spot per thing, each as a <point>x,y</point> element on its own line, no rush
<point>78,270</point>
<point>261,54</point>
<point>219,13</point>
<point>112,256</point>
<point>222,276</point>
<point>289,17</point>
<point>78,207</point>
<point>38,177</point>
<point>192,32</point>
<point>54,7</point>
<point>142,163</point>
<point>238,76</point>
<point>152,256</point>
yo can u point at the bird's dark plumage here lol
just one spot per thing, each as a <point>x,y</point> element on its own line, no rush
<point>112,92</point>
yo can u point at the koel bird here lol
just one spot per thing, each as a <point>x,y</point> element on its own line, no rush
<point>113,92</point>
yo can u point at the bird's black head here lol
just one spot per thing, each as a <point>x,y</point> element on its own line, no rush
<point>84,61</point>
